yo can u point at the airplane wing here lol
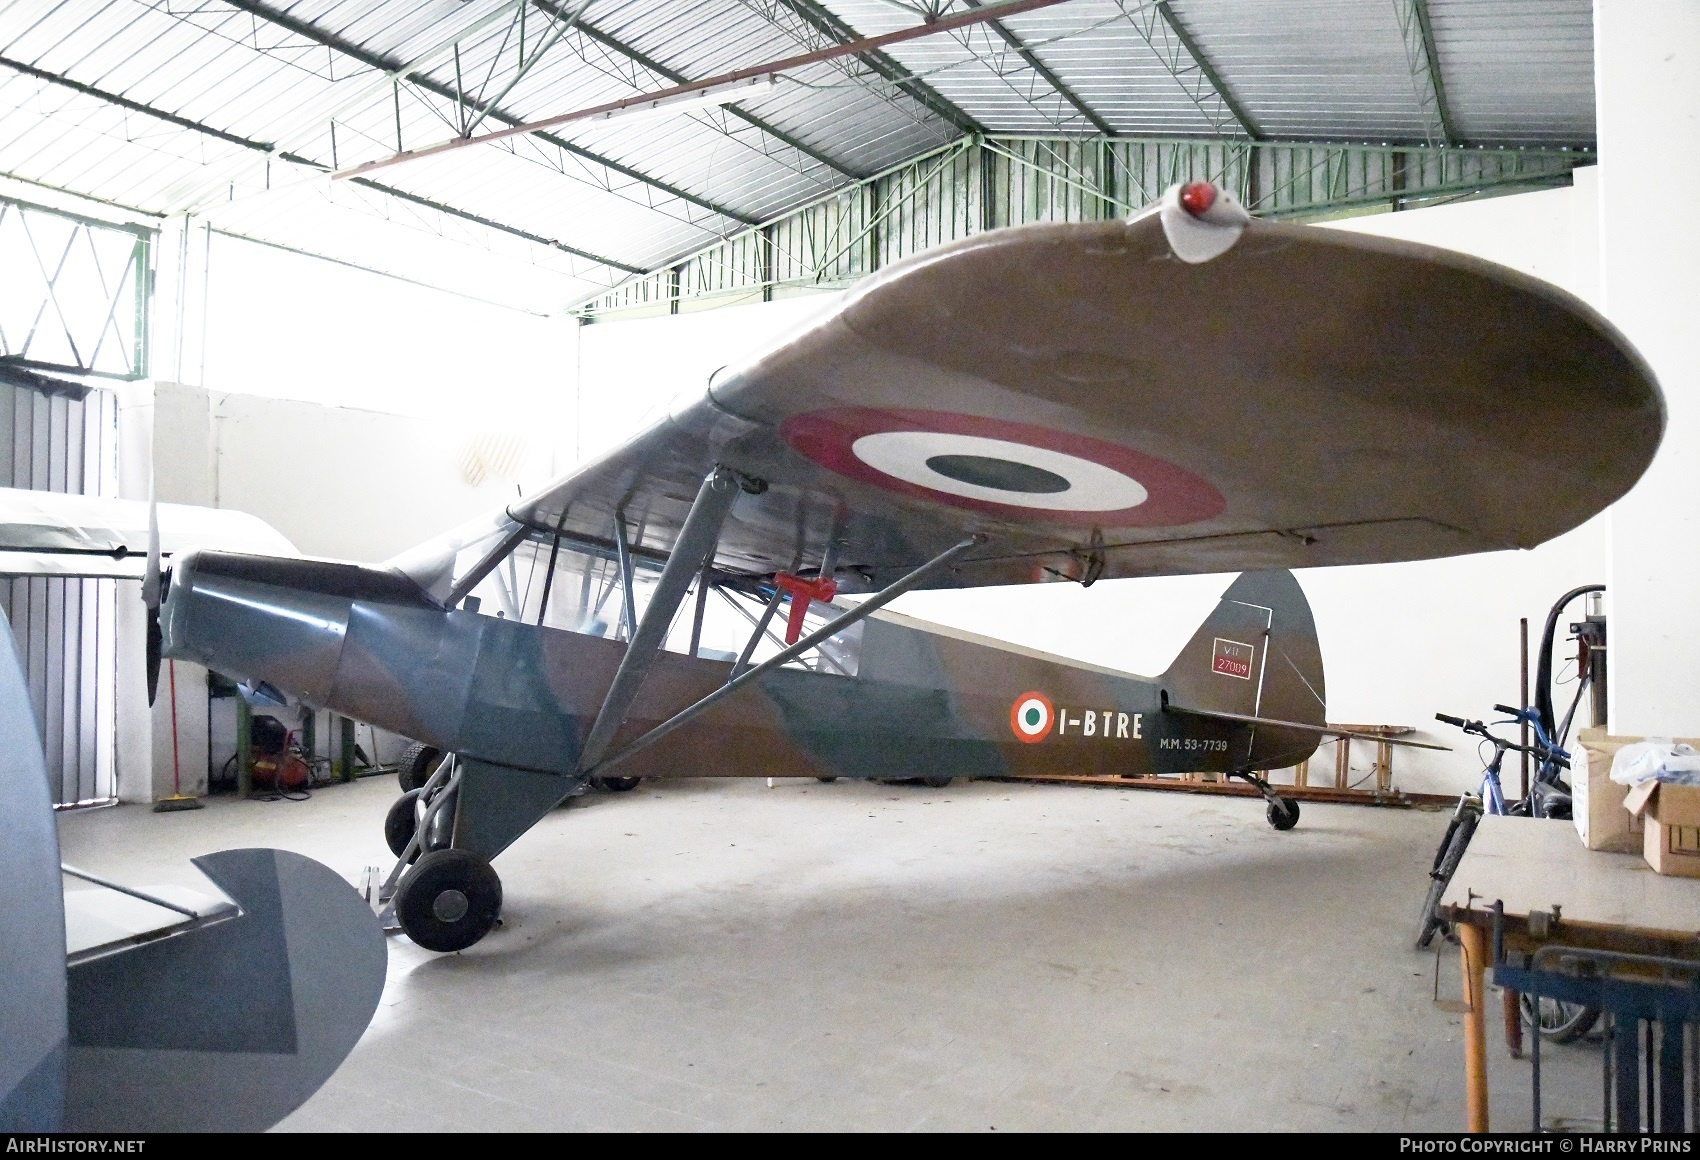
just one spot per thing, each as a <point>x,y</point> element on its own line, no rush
<point>48,534</point>
<point>1096,406</point>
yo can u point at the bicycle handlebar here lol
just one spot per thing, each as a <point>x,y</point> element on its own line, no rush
<point>1539,749</point>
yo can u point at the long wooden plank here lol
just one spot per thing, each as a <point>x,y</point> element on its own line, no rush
<point>1240,789</point>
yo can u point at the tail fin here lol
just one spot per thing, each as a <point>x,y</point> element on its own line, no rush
<point>1256,655</point>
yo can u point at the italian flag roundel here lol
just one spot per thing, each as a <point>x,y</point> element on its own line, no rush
<point>1031,717</point>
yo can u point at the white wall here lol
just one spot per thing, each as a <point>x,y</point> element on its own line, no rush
<point>282,325</point>
<point>1401,641</point>
<point>1647,81</point>
<point>628,372</point>
<point>350,483</point>
<point>341,406</point>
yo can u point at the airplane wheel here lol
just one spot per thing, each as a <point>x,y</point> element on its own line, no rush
<point>826,780</point>
<point>1285,816</point>
<point>620,784</point>
<point>401,821</point>
<point>937,782</point>
<point>418,762</point>
<point>448,900</point>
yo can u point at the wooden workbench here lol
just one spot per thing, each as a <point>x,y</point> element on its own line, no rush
<point>1534,867</point>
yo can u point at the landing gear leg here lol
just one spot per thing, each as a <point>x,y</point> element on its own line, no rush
<point>442,898</point>
<point>1283,812</point>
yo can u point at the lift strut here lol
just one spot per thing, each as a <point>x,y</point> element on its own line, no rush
<point>697,539</point>
<point>838,624</point>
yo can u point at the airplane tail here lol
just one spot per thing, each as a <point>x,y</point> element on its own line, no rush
<point>1255,656</point>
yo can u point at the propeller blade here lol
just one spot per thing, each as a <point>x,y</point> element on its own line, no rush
<point>151,595</point>
<point>150,577</point>
<point>155,642</point>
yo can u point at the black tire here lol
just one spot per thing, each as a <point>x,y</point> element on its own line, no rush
<point>418,762</point>
<point>1284,816</point>
<point>448,900</point>
<point>1560,1022</point>
<point>620,784</point>
<point>401,821</point>
<point>1458,837</point>
<point>936,782</point>
<point>826,780</point>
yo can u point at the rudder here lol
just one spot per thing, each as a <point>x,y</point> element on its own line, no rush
<point>1256,655</point>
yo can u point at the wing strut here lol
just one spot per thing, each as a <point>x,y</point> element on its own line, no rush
<point>628,575</point>
<point>695,541</point>
<point>831,628</point>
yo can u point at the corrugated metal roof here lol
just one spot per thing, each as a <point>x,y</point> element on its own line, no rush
<point>239,84</point>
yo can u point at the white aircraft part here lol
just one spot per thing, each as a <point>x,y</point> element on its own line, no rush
<point>32,964</point>
<point>1197,238</point>
<point>49,534</point>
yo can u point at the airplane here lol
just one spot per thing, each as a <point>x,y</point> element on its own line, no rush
<point>1186,391</point>
<point>165,1009</point>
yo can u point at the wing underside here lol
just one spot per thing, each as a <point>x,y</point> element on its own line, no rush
<point>1096,407</point>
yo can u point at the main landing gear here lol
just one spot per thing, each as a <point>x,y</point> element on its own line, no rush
<point>448,900</point>
<point>442,898</point>
<point>1282,812</point>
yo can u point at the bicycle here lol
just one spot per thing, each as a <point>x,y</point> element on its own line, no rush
<point>1489,798</point>
<point>1548,797</point>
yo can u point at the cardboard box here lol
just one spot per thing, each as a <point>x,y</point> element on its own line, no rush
<point>1597,800</point>
<point>1671,840</point>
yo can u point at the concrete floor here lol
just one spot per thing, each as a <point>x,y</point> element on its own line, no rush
<point>711,954</point>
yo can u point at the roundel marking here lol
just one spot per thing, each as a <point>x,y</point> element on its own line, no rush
<point>1014,470</point>
<point>1031,717</point>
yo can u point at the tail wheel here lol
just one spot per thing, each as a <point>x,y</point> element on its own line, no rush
<point>620,784</point>
<point>1283,814</point>
<point>418,762</point>
<point>448,900</point>
<point>401,821</point>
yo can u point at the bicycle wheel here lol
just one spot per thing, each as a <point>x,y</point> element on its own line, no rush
<point>1457,841</point>
<point>1559,1022</point>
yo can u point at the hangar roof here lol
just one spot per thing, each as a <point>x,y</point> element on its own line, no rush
<point>237,110</point>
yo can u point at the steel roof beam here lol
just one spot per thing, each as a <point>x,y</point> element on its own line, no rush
<point>1223,92</point>
<point>370,59</point>
<point>1043,70</point>
<point>734,81</point>
<point>822,20</point>
<point>1424,60</point>
<point>295,159</point>
<point>590,32</point>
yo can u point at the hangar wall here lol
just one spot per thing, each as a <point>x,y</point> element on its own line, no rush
<point>1647,81</point>
<point>444,390</point>
<point>1401,640</point>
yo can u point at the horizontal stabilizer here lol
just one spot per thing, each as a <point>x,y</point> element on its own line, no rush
<point>1324,730</point>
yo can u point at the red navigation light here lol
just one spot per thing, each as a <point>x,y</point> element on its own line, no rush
<point>1197,197</point>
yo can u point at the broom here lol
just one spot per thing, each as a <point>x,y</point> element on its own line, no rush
<point>178,799</point>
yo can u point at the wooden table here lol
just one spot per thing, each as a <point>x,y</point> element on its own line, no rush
<point>1555,890</point>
